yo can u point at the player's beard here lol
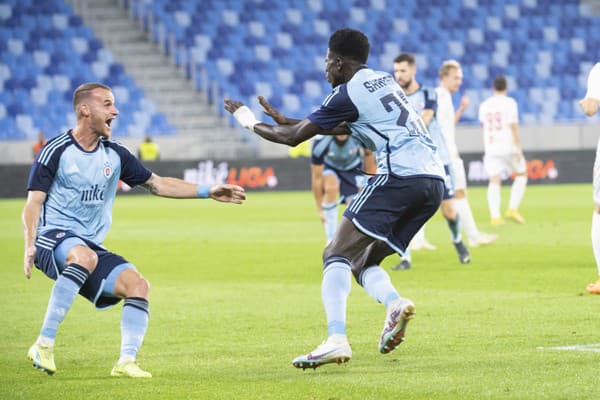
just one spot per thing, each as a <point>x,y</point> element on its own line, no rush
<point>406,85</point>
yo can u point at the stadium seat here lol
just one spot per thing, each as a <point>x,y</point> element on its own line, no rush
<point>488,37</point>
<point>45,53</point>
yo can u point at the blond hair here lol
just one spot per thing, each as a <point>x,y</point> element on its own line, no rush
<point>447,66</point>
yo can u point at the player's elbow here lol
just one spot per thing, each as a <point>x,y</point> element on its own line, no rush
<point>293,141</point>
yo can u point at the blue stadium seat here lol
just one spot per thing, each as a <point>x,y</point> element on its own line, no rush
<point>39,71</point>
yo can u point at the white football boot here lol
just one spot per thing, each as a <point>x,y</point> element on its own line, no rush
<point>335,349</point>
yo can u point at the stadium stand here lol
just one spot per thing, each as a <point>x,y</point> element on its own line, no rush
<point>240,48</point>
<point>275,48</point>
<point>45,53</point>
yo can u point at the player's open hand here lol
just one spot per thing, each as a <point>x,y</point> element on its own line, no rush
<point>28,260</point>
<point>232,105</point>
<point>272,112</point>
<point>228,193</point>
<point>464,102</point>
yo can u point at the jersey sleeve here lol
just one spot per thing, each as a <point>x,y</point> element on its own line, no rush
<point>133,172</point>
<point>41,177</point>
<point>335,109</point>
<point>430,100</point>
<point>46,164</point>
<point>593,84</point>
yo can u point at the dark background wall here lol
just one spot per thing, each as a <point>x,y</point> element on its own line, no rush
<point>544,167</point>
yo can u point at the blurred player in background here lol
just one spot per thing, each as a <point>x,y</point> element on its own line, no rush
<point>589,105</point>
<point>338,166</point>
<point>450,81</point>
<point>499,117</point>
<point>424,101</point>
<point>68,212</point>
<point>389,209</point>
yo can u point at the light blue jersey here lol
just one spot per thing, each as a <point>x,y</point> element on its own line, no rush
<point>426,99</point>
<point>81,185</point>
<point>380,116</point>
<point>344,156</point>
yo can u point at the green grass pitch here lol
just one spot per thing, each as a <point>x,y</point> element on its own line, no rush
<point>236,296</point>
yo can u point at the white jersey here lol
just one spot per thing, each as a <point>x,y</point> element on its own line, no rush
<point>445,116</point>
<point>497,114</point>
<point>593,85</point>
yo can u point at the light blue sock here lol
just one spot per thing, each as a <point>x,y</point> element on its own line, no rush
<point>330,211</point>
<point>378,285</point>
<point>454,229</point>
<point>335,289</point>
<point>63,294</point>
<point>134,324</point>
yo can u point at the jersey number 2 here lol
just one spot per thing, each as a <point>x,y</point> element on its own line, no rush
<point>393,98</point>
<point>416,127</point>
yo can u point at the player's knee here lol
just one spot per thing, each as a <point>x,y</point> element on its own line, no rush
<point>137,287</point>
<point>83,256</point>
<point>142,288</point>
<point>460,194</point>
<point>597,208</point>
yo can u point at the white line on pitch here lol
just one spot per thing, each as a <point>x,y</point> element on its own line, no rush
<point>594,348</point>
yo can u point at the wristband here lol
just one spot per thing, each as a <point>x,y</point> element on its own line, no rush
<point>203,191</point>
<point>245,117</point>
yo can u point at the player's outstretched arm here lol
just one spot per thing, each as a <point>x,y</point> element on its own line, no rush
<point>180,189</point>
<point>31,217</point>
<point>291,135</point>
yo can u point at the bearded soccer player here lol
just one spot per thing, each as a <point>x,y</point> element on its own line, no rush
<point>424,100</point>
<point>68,212</point>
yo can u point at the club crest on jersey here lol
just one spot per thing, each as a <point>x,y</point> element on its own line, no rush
<point>107,170</point>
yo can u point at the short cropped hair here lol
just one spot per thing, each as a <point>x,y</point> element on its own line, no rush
<point>447,66</point>
<point>84,90</point>
<point>350,43</point>
<point>405,57</point>
<point>500,83</point>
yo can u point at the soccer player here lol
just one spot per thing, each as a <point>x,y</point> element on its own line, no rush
<point>337,174</point>
<point>450,81</point>
<point>499,117</point>
<point>389,209</point>
<point>589,105</point>
<point>68,212</point>
<point>424,100</point>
